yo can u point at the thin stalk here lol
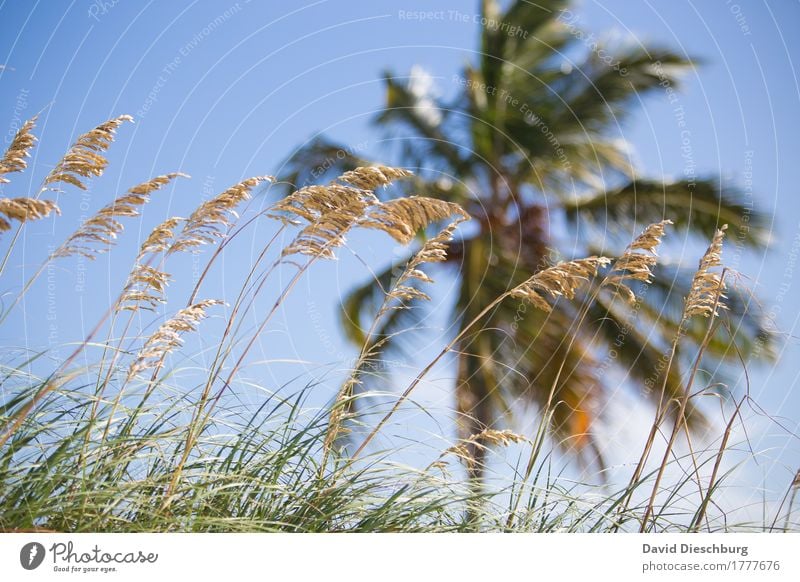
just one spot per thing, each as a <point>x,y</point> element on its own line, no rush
<point>679,419</point>
<point>424,372</point>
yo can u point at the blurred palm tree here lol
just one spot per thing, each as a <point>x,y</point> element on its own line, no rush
<point>528,147</point>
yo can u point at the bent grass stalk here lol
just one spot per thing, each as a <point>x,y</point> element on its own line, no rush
<point>631,265</point>
<point>561,279</point>
<point>689,310</point>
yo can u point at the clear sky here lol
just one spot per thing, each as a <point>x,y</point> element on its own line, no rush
<point>225,90</point>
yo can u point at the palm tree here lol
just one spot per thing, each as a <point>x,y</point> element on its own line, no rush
<point>528,149</point>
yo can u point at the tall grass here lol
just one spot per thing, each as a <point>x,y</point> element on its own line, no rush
<point>129,443</point>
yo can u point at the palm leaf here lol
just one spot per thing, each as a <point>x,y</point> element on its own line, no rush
<point>699,208</point>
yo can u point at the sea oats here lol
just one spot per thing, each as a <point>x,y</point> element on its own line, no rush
<point>98,233</point>
<point>496,437</point>
<point>403,218</point>
<point>638,260</point>
<point>314,202</point>
<point>371,177</point>
<point>319,238</point>
<point>156,183</point>
<point>707,286</point>
<point>85,158</point>
<point>24,209</point>
<point>160,237</point>
<point>650,238</point>
<point>145,286</point>
<point>331,212</point>
<point>168,336</point>
<point>334,209</point>
<point>144,289</point>
<point>465,448</point>
<point>434,250</point>
<point>14,160</point>
<point>205,225</point>
<point>562,279</point>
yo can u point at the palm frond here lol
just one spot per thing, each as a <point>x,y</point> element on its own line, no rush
<point>699,208</point>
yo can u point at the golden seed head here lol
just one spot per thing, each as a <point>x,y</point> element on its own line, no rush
<point>15,158</point>
<point>403,218</point>
<point>372,177</point>
<point>706,295</point>
<point>24,209</point>
<point>168,336</point>
<point>98,233</point>
<point>84,159</point>
<point>562,279</point>
<point>637,262</point>
<point>205,225</point>
<point>332,210</point>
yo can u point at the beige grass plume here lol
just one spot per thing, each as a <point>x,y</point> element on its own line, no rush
<point>146,284</point>
<point>98,233</point>
<point>205,225</point>
<point>465,448</point>
<point>562,279</point>
<point>403,218</point>
<point>168,336</point>
<point>372,177</point>
<point>434,250</point>
<point>333,210</point>
<point>707,286</point>
<point>85,158</point>
<point>638,260</point>
<point>24,209</point>
<point>160,237</point>
<point>311,203</point>
<point>14,160</point>
<point>321,237</point>
<point>144,289</point>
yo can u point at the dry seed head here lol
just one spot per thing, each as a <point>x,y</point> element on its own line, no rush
<point>160,237</point>
<point>14,159</point>
<point>98,233</point>
<point>496,437</point>
<point>146,285</point>
<point>650,238</point>
<point>24,209</point>
<point>637,266</point>
<point>562,279</point>
<point>156,183</point>
<point>314,202</point>
<point>319,238</point>
<point>339,413</point>
<point>434,250</point>
<point>144,289</point>
<point>707,286</point>
<point>482,440</point>
<point>402,218</point>
<point>205,225</point>
<point>371,177</point>
<point>168,336</point>
<point>332,210</point>
<point>84,159</point>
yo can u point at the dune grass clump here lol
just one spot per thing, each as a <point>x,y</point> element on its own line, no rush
<point>113,437</point>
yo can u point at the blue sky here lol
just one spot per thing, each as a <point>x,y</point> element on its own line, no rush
<point>226,90</point>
